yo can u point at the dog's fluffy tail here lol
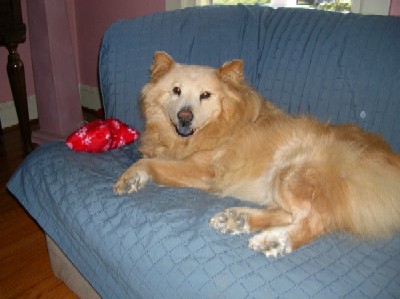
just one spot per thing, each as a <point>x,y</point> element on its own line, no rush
<point>371,207</point>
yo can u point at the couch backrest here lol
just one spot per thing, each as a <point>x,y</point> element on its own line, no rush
<point>342,68</point>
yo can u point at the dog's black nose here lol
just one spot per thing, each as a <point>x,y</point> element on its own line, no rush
<point>185,116</point>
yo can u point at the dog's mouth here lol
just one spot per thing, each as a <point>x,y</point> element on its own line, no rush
<point>184,127</point>
<point>184,131</point>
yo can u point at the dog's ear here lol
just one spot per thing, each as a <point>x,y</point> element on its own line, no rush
<point>231,71</point>
<point>162,63</point>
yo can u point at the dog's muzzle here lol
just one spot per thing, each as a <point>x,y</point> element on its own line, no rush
<point>185,119</point>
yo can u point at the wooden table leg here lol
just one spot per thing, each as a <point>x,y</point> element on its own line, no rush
<point>16,76</point>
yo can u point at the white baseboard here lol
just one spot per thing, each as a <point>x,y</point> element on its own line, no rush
<point>90,98</point>
<point>8,114</point>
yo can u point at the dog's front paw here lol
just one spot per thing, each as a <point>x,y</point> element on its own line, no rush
<point>272,242</point>
<point>230,221</point>
<point>131,181</point>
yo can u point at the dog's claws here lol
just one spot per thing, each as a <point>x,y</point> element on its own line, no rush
<point>273,242</point>
<point>132,184</point>
<point>230,222</point>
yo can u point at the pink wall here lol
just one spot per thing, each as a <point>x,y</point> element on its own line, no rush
<point>92,19</point>
<point>88,20</point>
<point>394,8</point>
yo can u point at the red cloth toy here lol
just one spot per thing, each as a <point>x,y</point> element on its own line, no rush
<point>101,135</point>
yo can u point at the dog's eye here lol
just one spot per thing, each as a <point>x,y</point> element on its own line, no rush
<point>176,90</point>
<point>205,95</point>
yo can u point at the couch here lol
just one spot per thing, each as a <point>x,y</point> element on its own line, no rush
<point>340,68</point>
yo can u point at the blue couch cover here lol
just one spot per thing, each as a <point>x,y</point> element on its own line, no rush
<point>157,243</point>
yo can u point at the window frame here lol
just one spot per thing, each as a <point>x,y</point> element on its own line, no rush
<point>374,7</point>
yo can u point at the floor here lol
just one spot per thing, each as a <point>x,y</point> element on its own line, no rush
<point>25,270</point>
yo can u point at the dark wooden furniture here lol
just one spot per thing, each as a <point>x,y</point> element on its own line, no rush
<point>12,32</point>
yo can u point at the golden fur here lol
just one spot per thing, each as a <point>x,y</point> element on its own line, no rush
<point>207,128</point>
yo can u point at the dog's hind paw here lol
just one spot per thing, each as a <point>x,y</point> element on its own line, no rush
<point>130,183</point>
<point>272,242</point>
<point>230,221</point>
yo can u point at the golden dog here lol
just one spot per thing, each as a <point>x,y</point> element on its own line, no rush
<point>207,128</point>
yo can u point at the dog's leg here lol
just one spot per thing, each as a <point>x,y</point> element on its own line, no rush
<point>302,191</point>
<point>281,233</point>
<point>301,196</point>
<point>281,240</point>
<point>133,179</point>
<point>246,220</point>
<point>192,172</point>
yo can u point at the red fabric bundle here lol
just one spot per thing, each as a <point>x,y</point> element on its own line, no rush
<point>101,135</point>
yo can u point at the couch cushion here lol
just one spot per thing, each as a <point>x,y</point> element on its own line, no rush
<point>337,67</point>
<point>157,244</point>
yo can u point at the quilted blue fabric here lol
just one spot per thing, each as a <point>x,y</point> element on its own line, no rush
<point>157,243</point>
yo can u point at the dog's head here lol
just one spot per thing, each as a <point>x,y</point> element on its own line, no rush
<point>190,96</point>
